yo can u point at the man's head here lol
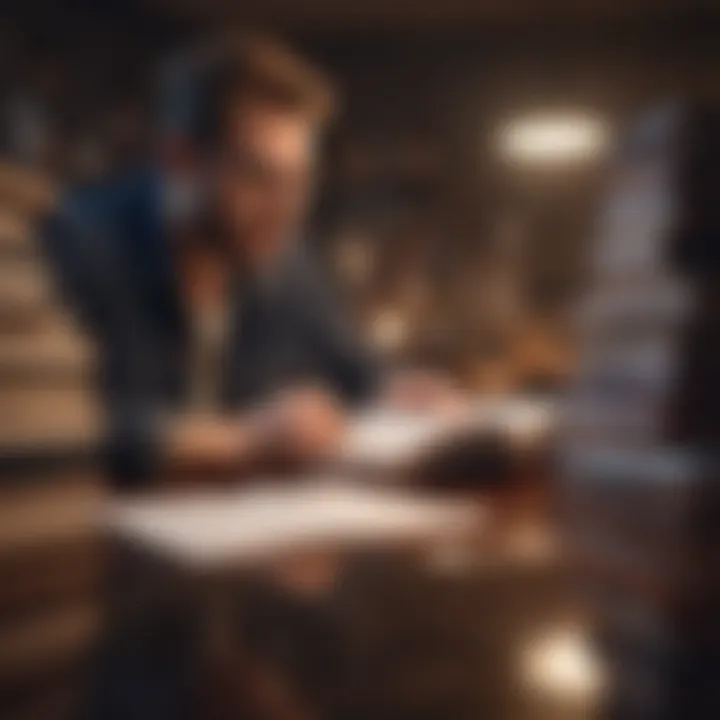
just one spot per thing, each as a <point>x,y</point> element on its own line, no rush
<point>260,113</point>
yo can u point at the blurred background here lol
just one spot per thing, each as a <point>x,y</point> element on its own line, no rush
<point>458,234</point>
<point>455,216</point>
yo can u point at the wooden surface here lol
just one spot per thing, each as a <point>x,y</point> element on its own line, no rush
<point>459,629</point>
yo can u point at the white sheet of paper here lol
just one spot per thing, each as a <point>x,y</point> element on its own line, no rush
<point>250,524</point>
<point>386,437</point>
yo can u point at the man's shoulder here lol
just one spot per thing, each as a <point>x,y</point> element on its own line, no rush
<point>107,200</point>
<point>113,214</point>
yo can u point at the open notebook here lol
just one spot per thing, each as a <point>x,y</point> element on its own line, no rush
<point>251,524</point>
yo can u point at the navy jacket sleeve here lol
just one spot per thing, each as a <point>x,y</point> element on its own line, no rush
<point>93,277</point>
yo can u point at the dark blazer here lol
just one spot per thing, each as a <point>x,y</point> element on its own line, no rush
<point>111,254</point>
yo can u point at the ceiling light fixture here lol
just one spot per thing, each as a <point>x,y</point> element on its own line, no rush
<point>553,138</point>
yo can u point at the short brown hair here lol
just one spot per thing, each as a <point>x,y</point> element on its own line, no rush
<point>261,69</point>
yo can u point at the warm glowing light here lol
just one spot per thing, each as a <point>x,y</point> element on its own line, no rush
<point>562,664</point>
<point>554,138</point>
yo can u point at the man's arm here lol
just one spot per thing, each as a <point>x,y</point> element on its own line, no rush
<point>350,369</point>
<point>92,276</point>
<point>298,426</point>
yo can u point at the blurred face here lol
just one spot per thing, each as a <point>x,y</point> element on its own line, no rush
<point>262,178</point>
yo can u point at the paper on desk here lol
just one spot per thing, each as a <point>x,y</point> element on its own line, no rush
<point>393,438</point>
<point>253,523</point>
<point>385,437</point>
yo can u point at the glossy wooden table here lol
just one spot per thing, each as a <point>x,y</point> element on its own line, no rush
<point>479,623</point>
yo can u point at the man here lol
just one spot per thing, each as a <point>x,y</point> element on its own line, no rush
<point>219,346</point>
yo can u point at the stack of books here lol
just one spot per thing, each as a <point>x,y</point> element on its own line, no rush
<point>51,556</point>
<point>640,488</point>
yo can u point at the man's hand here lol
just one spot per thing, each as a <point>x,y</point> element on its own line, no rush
<point>208,440</point>
<point>303,425</point>
<point>299,426</point>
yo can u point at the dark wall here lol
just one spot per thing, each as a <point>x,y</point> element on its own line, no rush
<point>422,115</point>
